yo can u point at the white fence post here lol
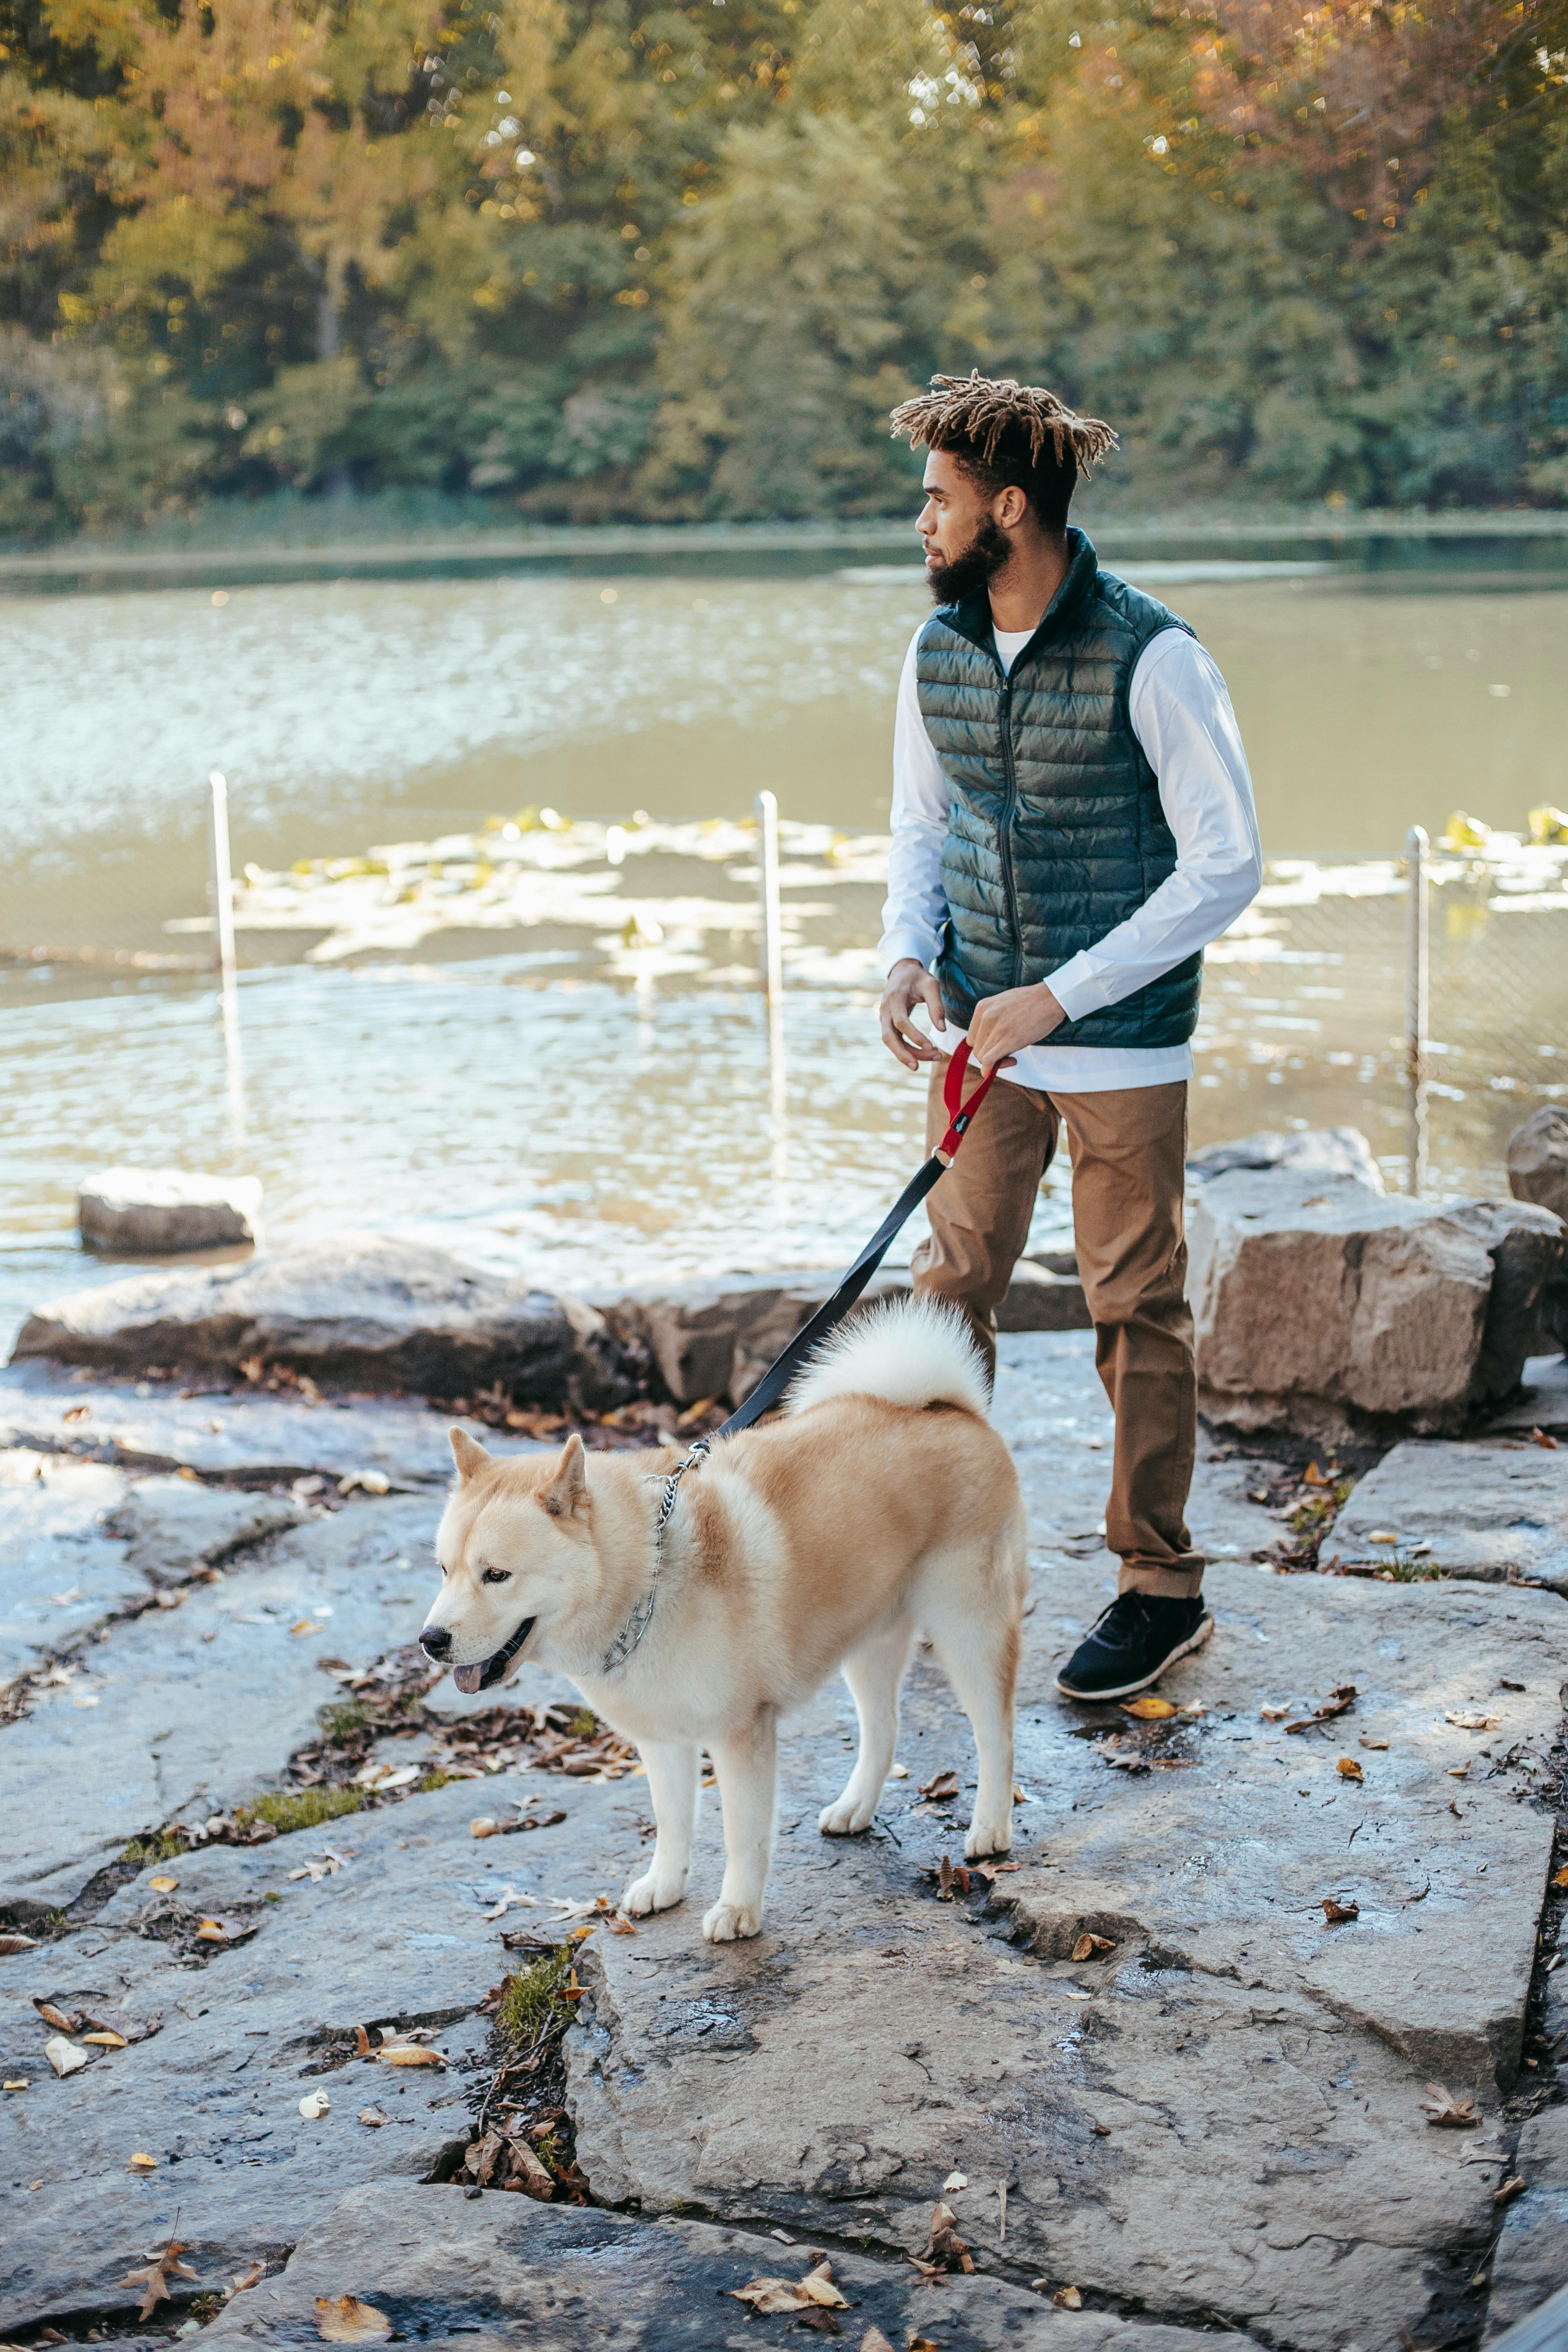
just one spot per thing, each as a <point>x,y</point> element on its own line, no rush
<point>1418,967</point>
<point>772,941</point>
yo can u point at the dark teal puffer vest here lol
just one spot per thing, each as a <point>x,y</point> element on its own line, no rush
<point>1055,832</point>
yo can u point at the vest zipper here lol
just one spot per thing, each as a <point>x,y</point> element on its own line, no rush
<point>1005,843</point>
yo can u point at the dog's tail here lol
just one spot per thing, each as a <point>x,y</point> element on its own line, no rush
<point>913,1351</point>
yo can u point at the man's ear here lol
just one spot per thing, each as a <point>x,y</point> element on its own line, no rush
<point>468,1454</point>
<point>566,1497</point>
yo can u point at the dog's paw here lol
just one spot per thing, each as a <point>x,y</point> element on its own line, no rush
<point>987,1838</point>
<point>844,1818</point>
<point>651,1893</point>
<point>727,1923</point>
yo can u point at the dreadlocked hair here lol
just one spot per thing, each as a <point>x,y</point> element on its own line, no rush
<point>998,430</point>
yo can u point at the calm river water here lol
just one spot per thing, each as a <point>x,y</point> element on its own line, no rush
<point>534,1102</point>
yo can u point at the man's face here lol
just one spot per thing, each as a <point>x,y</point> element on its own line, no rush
<point>965,545</point>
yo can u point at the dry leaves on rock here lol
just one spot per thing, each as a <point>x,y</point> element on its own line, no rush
<point>1089,1947</point>
<point>344,2319</point>
<point>1349,1769</point>
<point>408,2054</point>
<point>373,2118</point>
<point>1068,2298</point>
<point>142,2162</point>
<point>939,1787</point>
<point>12,1942</point>
<point>1336,1914</point>
<point>314,2106</point>
<point>1150,1709</point>
<point>64,2056</point>
<point>875,2341</point>
<point>1559,1878</point>
<point>944,2250</point>
<point>815,2289</point>
<point>153,2280</point>
<point>1273,1714</point>
<point>1439,2107</point>
<point>243,2280</point>
<point>1126,1756</point>
<point>1335,1704</point>
<point>1473,1722</point>
<point>223,1929</point>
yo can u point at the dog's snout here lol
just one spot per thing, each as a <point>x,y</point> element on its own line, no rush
<point>435,1641</point>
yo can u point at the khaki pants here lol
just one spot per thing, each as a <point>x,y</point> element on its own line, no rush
<point>1128,1156</point>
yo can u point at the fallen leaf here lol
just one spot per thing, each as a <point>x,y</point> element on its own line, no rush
<point>11,1942</point>
<point>14,2083</point>
<point>1559,1878</point>
<point>64,2056</point>
<point>486,1826</point>
<point>771,2294</point>
<point>955,2181</point>
<point>1335,1704</point>
<point>1510,2189</point>
<point>1540,1437</point>
<point>1088,1947</point>
<point>153,2280</point>
<point>373,2117</point>
<point>1337,1913</point>
<point>818,2285</point>
<point>344,2319</point>
<point>900,1773</point>
<point>937,1791</point>
<point>1349,1769</point>
<point>1366,1740</point>
<point>163,1885</point>
<point>1273,1714</point>
<point>1312,1476</point>
<point>222,1929</point>
<point>107,2040</point>
<point>621,1925</point>
<point>1068,2298</point>
<point>314,2106</point>
<point>875,2341</point>
<point>244,2279</point>
<point>945,2247</point>
<point>408,2054</point>
<point>57,2016</point>
<point>922,2344</point>
<point>1440,2107</point>
<point>1473,1722</point>
<point>1148,1708</point>
<point>142,2162</point>
<point>307,1625</point>
<point>1459,1771</point>
<point>373,1482</point>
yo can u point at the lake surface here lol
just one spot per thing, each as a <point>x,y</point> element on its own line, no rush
<point>599,1111</point>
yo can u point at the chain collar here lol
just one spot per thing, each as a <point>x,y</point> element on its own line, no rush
<point>638,1623</point>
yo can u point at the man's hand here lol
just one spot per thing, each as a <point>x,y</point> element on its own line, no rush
<point>909,985</point>
<point>1000,1025</point>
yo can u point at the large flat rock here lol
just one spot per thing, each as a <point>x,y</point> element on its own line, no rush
<point>253,1434</point>
<point>1325,1310</point>
<point>363,1311</point>
<point>502,2270</point>
<point>1530,2264</point>
<point>1498,1511</point>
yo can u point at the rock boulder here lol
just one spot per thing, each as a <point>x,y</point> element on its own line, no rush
<point>1313,1152</point>
<point>154,1209</point>
<point>1330,1311</point>
<point>365,1312</point>
<point>1537,1161</point>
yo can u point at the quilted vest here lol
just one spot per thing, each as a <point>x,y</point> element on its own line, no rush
<point>1054,832</point>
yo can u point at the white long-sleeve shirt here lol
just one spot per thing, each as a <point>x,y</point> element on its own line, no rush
<point>1182,716</point>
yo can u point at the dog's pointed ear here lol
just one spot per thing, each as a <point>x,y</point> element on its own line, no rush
<point>467,1452</point>
<point>566,1497</point>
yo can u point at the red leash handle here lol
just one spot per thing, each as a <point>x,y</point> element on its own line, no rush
<point>959,1112</point>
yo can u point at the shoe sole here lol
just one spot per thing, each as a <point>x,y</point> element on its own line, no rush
<point>1194,1640</point>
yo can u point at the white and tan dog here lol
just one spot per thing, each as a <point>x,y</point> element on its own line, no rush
<point>882,1506</point>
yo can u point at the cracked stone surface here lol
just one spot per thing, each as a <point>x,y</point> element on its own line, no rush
<point>1497,1511</point>
<point>1215,2124</point>
<point>503,2270</point>
<point>1531,2260</point>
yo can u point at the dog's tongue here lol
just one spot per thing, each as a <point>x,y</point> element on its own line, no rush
<point>470,1678</point>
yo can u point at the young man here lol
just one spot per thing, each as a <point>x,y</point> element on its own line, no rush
<point>1072,825</point>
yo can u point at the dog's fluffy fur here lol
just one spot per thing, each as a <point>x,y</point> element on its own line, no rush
<point>881,1508</point>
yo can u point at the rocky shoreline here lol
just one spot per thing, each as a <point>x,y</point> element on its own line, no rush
<point>311,1966</point>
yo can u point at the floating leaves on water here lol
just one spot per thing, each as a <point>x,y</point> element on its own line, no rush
<point>1439,2107</point>
<point>1336,1914</point>
<point>314,2106</point>
<point>153,2280</point>
<point>344,2319</point>
<point>64,2056</point>
<point>1349,1769</point>
<point>1148,1710</point>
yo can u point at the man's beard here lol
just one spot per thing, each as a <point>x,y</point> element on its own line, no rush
<point>972,566</point>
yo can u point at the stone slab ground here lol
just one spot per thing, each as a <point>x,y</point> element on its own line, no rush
<point>1215,2126</point>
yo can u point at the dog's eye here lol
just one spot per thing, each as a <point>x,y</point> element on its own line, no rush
<point>496,1576</point>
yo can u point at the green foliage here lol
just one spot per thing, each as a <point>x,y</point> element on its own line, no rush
<point>587,259</point>
<point>158,1845</point>
<point>301,1808</point>
<point>342,1719</point>
<point>533,1998</point>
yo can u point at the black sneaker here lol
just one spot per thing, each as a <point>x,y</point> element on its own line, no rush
<point>1131,1644</point>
